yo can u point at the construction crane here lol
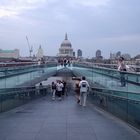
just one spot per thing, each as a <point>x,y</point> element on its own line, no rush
<point>30,47</point>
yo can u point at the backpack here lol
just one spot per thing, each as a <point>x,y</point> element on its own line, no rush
<point>84,85</point>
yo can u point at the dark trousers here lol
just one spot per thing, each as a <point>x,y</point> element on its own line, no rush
<point>122,79</point>
<point>59,93</point>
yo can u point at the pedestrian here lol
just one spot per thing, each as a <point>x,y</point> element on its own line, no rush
<point>41,89</point>
<point>84,88</point>
<point>64,88</point>
<point>122,69</point>
<point>59,87</point>
<point>53,87</point>
<point>77,91</point>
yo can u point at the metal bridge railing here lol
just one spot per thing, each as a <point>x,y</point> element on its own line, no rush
<point>131,77</point>
<point>125,105</point>
<point>17,77</point>
<point>13,97</point>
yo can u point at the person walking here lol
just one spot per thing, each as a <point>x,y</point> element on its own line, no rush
<point>53,87</point>
<point>64,88</point>
<point>77,90</point>
<point>41,88</point>
<point>84,88</point>
<point>59,87</point>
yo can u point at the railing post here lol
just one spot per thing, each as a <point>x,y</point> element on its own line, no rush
<point>127,108</point>
<point>1,103</point>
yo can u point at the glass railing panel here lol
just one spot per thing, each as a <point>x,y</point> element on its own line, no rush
<point>108,78</point>
<point>125,105</point>
<point>18,79</point>
<point>134,96</point>
<point>9,71</point>
<point>133,115</point>
<point>98,77</point>
<point>117,106</point>
<point>13,97</point>
<point>134,77</point>
<point>9,101</point>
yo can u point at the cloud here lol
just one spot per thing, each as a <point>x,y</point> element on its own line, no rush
<point>121,39</point>
<point>94,24</point>
<point>89,3</point>
<point>10,8</point>
<point>7,13</point>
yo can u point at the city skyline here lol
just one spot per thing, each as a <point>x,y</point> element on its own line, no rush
<point>107,25</point>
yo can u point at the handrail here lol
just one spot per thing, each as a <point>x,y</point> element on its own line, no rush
<point>129,92</point>
<point>111,95</point>
<point>13,98</point>
<point>133,78</point>
<point>25,89</point>
<point>127,72</point>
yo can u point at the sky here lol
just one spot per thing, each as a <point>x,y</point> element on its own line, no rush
<point>107,25</point>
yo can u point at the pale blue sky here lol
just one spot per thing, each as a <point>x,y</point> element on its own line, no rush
<point>108,25</point>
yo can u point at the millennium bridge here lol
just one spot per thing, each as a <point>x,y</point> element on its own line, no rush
<point>112,111</point>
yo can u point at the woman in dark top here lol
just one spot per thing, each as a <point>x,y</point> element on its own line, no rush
<point>77,90</point>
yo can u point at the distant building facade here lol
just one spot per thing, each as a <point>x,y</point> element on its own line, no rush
<point>65,49</point>
<point>118,54</point>
<point>39,53</point>
<point>112,56</point>
<point>137,57</point>
<point>74,54</point>
<point>98,54</point>
<point>9,53</point>
<point>115,56</point>
<point>126,56</point>
<point>79,53</point>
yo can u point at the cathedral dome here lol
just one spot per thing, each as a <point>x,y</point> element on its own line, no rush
<point>66,42</point>
<point>65,49</point>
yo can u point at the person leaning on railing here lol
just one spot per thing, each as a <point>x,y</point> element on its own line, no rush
<point>122,69</point>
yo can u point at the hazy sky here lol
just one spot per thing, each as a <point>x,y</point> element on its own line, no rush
<point>108,25</point>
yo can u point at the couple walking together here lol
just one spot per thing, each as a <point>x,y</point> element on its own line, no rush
<point>58,89</point>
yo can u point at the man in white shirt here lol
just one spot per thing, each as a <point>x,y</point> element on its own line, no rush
<point>84,88</point>
<point>59,87</point>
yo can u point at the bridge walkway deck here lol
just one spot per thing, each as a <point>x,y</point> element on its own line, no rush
<point>44,119</point>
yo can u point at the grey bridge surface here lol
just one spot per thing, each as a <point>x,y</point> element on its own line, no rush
<point>44,119</point>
